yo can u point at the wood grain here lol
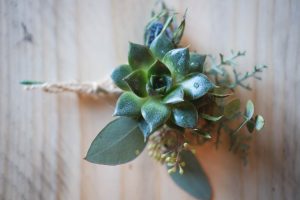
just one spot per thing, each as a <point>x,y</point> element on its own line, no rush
<point>44,137</point>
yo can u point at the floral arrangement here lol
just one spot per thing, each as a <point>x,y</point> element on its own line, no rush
<point>172,100</point>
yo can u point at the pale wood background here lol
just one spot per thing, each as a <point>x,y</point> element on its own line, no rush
<point>43,137</point>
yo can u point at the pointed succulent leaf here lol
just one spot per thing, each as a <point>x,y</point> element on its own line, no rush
<point>158,84</point>
<point>249,110</point>
<point>161,45</point>
<point>129,105</point>
<point>193,180</point>
<point>145,128</point>
<point>177,60</point>
<point>185,115</point>
<point>137,81</point>
<point>119,142</point>
<point>139,56</point>
<point>158,68</point>
<point>155,113</point>
<point>196,85</point>
<point>174,96</point>
<point>211,118</point>
<point>154,92</point>
<point>259,122</point>
<point>119,74</point>
<point>196,62</point>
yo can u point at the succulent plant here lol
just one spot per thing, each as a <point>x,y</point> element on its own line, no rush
<point>160,84</point>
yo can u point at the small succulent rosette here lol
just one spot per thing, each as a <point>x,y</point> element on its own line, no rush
<point>160,84</point>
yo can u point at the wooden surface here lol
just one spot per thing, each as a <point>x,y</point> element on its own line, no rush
<point>44,137</point>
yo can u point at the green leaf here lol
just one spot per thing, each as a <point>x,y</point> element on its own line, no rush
<point>137,81</point>
<point>211,118</point>
<point>232,108</point>
<point>185,115</point>
<point>179,32</point>
<point>221,92</point>
<point>177,60</point>
<point>129,105</point>
<point>155,113</point>
<point>158,68</point>
<point>145,128</point>
<point>196,85</point>
<point>119,142</point>
<point>161,45</point>
<point>176,95</point>
<point>193,180</point>
<point>158,84</point>
<point>249,110</point>
<point>250,125</point>
<point>196,62</point>
<point>139,56</point>
<point>259,122</point>
<point>119,74</point>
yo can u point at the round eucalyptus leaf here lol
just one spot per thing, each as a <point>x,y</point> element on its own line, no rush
<point>185,115</point>
<point>221,92</point>
<point>249,110</point>
<point>161,45</point>
<point>196,85</point>
<point>250,125</point>
<point>196,62</point>
<point>139,56</point>
<point>232,108</point>
<point>155,113</point>
<point>119,74</point>
<point>193,180</point>
<point>137,81</point>
<point>119,142</point>
<point>177,60</point>
<point>129,105</point>
<point>259,122</point>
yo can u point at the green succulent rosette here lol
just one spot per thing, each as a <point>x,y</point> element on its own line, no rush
<point>161,84</point>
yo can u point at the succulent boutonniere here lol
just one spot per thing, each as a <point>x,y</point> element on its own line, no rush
<point>172,100</point>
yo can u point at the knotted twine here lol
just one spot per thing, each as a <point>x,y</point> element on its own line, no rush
<point>91,89</point>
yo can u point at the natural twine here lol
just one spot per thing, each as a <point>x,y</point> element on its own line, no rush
<point>92,89</point>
